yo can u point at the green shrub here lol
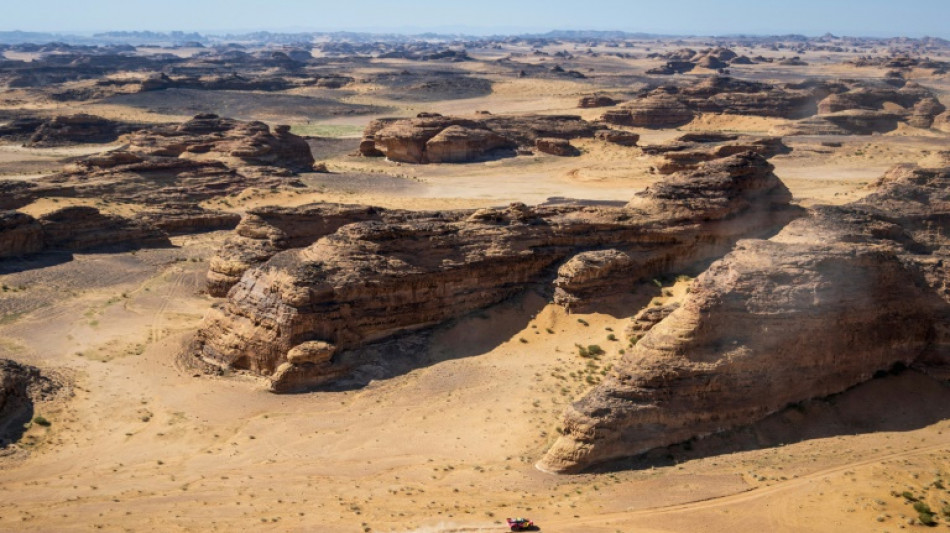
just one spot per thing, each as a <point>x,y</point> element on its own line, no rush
<point>908,496</point>
<point>39,420</point>
<point>595,350</point>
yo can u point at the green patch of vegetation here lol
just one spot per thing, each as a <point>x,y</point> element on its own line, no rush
<point>41,421</point>
<point>582,322</point>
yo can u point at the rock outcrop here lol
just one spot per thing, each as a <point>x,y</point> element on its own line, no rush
<point>65,129</point>
<point>433,138</point>
<point>688,151</point>
<point>596,100</point>
<point>832,299</point>
<point>265,231</point>
<point>203,158</point>
<point>856,107</point>
<point>20,234</point>
<point>20,386</point>
<point>182,219</point>
<point>82,227</point>
<point>394,272</point>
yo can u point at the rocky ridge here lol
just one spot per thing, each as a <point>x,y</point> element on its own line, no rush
<point>834,298</point>
<point>391,272</point>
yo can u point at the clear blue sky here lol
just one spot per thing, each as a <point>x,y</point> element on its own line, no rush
<point>703,17</point>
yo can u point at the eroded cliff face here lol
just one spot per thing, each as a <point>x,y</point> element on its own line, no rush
<point>825,304</point>
<point>391,272</point>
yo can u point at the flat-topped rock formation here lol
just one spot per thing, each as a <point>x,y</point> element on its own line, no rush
<point>382,273</point>
<point>834,298</point>
<point>854,107</point>
<point>433,138</point>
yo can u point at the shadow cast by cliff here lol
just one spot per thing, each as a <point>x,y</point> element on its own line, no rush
<point>898,401</point>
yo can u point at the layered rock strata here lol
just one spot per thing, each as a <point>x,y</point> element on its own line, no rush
<point>395,272</point>
<point>832,299</point>
<point>202,158</point>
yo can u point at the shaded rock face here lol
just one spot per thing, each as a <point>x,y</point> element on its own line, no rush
<point>20,386</point>
<point>182,219</point>
<point>623,138</point>
<point>78,129</point>
<point>432,138</point>
<point>394,272</point>
<point>559,147</point>
<point>20,234</point>
<point>832,299</point>
<point>838,103</point>
<point>203,158</point>
<point>81,227</point>
<point>596,100</point>
<point>65,129</point>
<point>688,151</point>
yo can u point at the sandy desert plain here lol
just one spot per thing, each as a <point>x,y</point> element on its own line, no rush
<point>439,424</point>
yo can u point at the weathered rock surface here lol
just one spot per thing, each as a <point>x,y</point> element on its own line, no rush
<point>559,147</point>
<point>181,219</point>
<point>265,231</point>
<point>20,234</point>
<point>399,271</point>
<point>203,158</point>
<point>832,299</point>
<point>857,107</point>
<point>82,227</point>
<point>621,137</point>
<point>681,155</point>
<point>433,138</point>
<point>80,128</point>
<point>596,100</point>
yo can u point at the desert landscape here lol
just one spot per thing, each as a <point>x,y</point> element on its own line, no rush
<point>354,282</point>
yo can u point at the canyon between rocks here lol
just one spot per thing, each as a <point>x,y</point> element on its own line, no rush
<point>610,283</point>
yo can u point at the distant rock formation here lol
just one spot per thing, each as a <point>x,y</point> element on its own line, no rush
<point>20,234</point>
<point>848,106</point>
<point>384,272</point>
<point>596,100</point>
<point>64,130</point>
<point>688,151</point>
<point>202,158</point>
<point>433,138</point>
<point>832,299</point>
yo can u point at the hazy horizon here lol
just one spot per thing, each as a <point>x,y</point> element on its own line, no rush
<point>869,18</point>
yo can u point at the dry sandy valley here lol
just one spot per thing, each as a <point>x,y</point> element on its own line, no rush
<point>149,276</point>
